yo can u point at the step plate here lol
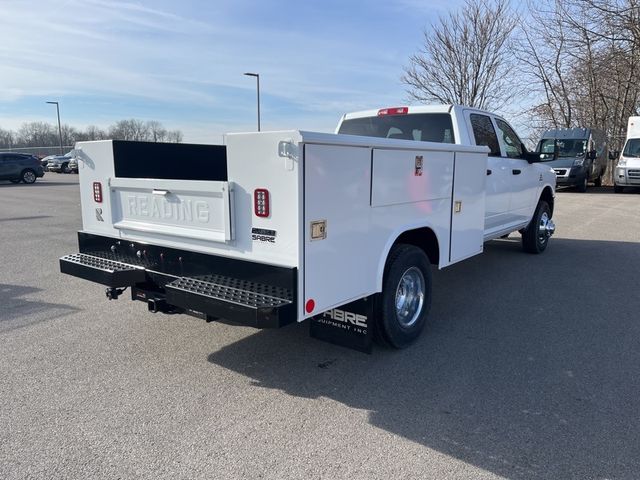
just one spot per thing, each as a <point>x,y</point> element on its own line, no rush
<point>246,302</point>
<point>102,270</point>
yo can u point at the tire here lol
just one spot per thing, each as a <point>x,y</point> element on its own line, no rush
<point>582,187</point>
<point>15,180</point>
<point>28,176</point>
<point>617,188</point>
<point>598,181</point>
<point>405,301</point>
<point>65,168</point>
<point>535,237</point>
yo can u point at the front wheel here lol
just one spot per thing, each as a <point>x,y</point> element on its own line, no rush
<point>404,305</point>
<point>536,236</point>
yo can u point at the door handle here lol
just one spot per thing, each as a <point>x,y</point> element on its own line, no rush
<point>161,192</point>
<point>516,171</point>
<point>488,171</point>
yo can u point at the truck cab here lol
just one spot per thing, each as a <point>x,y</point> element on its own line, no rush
<point>515,178</point>
<point>577,155</point>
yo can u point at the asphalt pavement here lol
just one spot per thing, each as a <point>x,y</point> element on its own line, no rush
<point>529,368</point>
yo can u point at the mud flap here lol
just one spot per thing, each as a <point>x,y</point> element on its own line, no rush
<point>350,325</point>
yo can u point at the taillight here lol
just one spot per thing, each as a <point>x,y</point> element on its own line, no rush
<point>261,202</point>
<point>97,192</point>
<point>393,111</point>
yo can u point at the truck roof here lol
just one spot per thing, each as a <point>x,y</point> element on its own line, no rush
<point>447,108</point>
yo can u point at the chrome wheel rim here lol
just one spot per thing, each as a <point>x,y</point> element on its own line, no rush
<point>410,297</point>
<point>29,177</point>
<point>546,227</point>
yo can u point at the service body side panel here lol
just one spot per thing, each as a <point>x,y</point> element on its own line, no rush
<point>410,188</point>
<point>467,216</point>
<point>338,268</point>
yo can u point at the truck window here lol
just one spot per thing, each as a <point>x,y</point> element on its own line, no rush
<point>425,127</point>
<point>512,143</point>
<point>484,133</point>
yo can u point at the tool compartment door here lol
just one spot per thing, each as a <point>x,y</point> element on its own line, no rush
<point>186,209</point>
<point>337,182</point>
<point>467,212</point>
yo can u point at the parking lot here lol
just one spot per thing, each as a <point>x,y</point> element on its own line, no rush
<point>529,368</point>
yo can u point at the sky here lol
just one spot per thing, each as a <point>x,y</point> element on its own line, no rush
<point>182,63</point>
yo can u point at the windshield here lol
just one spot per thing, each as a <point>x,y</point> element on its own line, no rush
<point>426,127</point>
<point>632,148</point>
<point>566,147</point>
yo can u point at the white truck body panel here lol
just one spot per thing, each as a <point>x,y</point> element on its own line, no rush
<point>627,172</point>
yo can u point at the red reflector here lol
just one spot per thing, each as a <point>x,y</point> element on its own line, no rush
<point>261,202</point>
<point>393,111</point>
<point>97,192</point>
<point>310,305</point>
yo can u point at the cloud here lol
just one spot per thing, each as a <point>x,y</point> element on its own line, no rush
<point>313,59</point>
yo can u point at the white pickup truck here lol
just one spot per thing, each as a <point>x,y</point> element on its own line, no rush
<point>278,227</point>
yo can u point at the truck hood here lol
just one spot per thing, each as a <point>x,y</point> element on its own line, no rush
<point>632,162</point>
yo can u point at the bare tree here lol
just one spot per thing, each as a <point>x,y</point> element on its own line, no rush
<point>7,139</point>
<point>465,57</point>
<point>581,59</point>
<point>130,130</point>
<point>157,132</point>
<point>174,136</point>
<point>36,134</point>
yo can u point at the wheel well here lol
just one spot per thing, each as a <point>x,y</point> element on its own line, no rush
<point>425,239</point>
<point>547,196</point>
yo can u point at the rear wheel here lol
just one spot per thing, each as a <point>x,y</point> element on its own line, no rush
<point>28,176</point>
<point>536,236</point>
<point>402,311</point>
<point>65,168</point>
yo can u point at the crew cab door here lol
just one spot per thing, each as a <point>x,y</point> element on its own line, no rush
<point>498,181</point>
<point>524,175</point>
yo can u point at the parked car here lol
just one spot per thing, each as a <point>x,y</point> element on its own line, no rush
<point>73,165</point>
<point>59,163</point>
<point>20,167</point>
<point>580,155</point>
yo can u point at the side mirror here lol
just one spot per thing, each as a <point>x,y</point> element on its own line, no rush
<point>532,157</point>
<point>592,155</point>
<point>613,155</point>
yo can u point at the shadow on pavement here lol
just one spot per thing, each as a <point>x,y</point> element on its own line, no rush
<point>528,368</point>
<point>16,312</point>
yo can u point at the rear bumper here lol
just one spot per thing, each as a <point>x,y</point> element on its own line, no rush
<point>258,295</point>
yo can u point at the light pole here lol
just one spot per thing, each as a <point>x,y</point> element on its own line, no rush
<point>258,88</point>
<point>59,127</point>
